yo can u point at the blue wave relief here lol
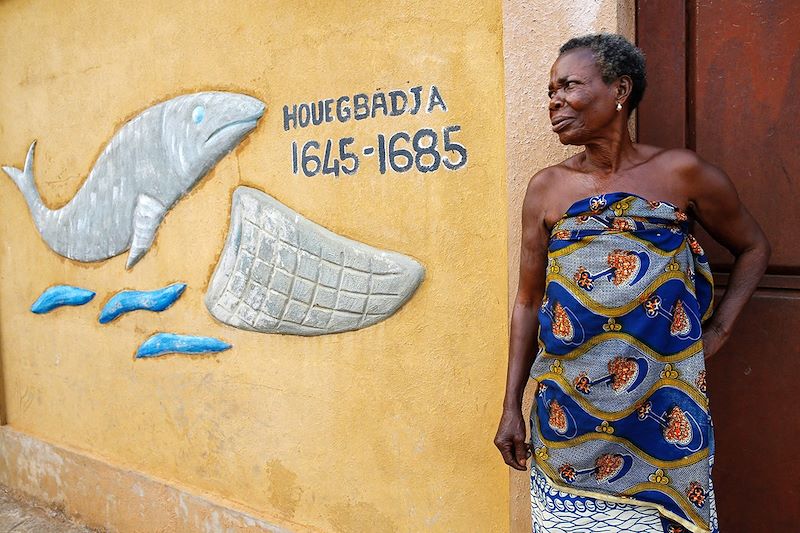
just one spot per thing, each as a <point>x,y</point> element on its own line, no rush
<point>126,301</point>
<point>168,343</point>
<point>61,295</point>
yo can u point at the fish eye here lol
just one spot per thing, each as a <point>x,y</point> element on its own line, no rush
<point>198,114</point>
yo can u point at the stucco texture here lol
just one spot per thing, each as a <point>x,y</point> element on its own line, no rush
<point>384,429</point>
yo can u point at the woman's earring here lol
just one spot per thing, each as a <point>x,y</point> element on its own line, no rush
<point>619,106</point>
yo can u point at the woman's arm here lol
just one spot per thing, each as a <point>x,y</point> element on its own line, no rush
<point>717,207</point>
<point>510,439</point>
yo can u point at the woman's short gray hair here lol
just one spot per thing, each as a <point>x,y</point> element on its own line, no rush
<point>615,57</point>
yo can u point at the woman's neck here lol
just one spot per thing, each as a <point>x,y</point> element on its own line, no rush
<point>605,156</point>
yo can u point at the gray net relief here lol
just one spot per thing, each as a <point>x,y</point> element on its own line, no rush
<point>282,273</point>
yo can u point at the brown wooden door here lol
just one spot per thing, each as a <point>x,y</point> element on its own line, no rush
<point>724,80</point>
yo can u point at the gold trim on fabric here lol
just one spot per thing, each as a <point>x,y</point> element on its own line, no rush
<point>686,353</point>
<point>585,241</point>
<point>549,474</point>
<point>701,400</point>
<point>677,463</point>
<point>674,493</point>
<point>706,273</point>
<point>616,312</point>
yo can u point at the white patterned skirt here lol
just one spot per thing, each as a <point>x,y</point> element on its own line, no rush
<point>555,511</point>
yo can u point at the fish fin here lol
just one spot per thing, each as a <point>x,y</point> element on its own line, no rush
<point>147,215</point>
<point>24,180</point>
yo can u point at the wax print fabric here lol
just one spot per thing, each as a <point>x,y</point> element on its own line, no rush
<point>620,421</point>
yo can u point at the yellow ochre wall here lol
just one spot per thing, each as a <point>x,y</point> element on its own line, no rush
<point>384,429</point>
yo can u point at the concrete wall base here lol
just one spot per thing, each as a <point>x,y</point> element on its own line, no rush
<point>111,498</point>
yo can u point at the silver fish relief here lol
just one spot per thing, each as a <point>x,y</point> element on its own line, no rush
<point>282,273</point>
<point>147,166</point>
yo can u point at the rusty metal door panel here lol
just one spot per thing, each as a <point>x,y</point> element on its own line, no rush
<point>738,106</point>
<point>662,113</point>
<point>746,107</point>
<point>752,387</point>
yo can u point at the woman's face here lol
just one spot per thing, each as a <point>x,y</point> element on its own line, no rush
<point>582,107</point>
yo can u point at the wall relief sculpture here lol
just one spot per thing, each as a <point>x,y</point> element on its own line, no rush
<point>171,343</point>
<point>147,166</point>
<point>126,301</point>
<point>59,296</point>
<point>281,273</point>
<point>278,272</point>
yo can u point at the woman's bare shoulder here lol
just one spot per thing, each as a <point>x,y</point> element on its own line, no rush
<point>549,191</point>
<point>685,175</point>
<point>674,160</point>
<point>550,183</point>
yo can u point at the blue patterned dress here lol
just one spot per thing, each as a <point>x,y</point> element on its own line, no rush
<point>621,431</point>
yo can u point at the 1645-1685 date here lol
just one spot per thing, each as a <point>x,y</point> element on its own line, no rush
<point>425,150</point>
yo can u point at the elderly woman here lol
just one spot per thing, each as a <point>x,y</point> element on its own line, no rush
<point>620,294</point>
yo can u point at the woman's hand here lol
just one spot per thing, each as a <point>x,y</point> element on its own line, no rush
<point>510,439</point>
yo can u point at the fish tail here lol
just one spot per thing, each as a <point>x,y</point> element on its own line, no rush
<point>24,181</point>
